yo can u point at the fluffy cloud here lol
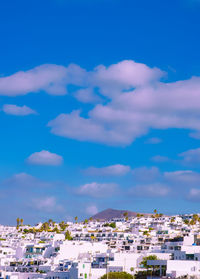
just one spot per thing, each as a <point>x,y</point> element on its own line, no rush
<point>114,170</point>
<point>45,157</point>
<point>191,156</point>
<point>47,204</point>
<point>160,159</point>
<point>145,174</point>
<point>194,195</point>
<point>76,127</point>
<point>97,190</point>
<point>133,110</point>
<point>150,190</point>
<point>55,78</point>
<point>183,178</point>
<point>135,100</point>
<point>25,181</point>
<point>50,78</point>
<point>29,199</point>
<point>153,141</point>
<point>91,210</point>
<point>18,110</point>
<point>86,96</point>
<point>124,75</point>
<point>150,182</point>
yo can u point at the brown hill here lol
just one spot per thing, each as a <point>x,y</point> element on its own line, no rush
<point>114,213</point>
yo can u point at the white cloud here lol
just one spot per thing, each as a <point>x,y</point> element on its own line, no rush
<point>45,157</point>
<point>153,140</point>
<point>25,181</point>
<point>183,178</point>
<point>124,75</point>
<point>150,190</point>
<point>160,159</point>
<point>195,135</point>
<point>18,110</point>
<point>50,78</point>
<point>194,195</point>
<point>136,100</point>
<point>29,199</point>
<point>132,114</point>
<point>55,78</point>
<point>191,156</point>
<point>150,182</point>
<point>114,170</point>
<point>86,96</point>
<point>97,190</point>
<point>145,174</point>
<point>75,127</point>
<point>91,210</point>
<point>47,204</point>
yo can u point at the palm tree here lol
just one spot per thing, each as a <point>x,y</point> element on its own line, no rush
<point>50,221</point>
<point>62,224</point>
<point>76,218</point>
<point>45,226</point>
<point>172,220</point>
<point>155,211</point>
<point>68,235</point>
<point>125,214</point>
<point>195,217</point>
<point>18,220</point>
<point>186,221</point>
<point>21,221</point>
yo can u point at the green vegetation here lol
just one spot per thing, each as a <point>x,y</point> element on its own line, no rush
<point>41,271</point>
<point>172,220</point>
<point>56,230</point>
<point>68,236</point>
<point>146,233</point>
<point>157,215</point>
<point>45,226</point>
<point>112,225</point>
<point>145,259</point>
<point>125,214</point>
<point>117,275</point>
<point>19,222</point>
<point>63,226</point>
<point>139,215</point>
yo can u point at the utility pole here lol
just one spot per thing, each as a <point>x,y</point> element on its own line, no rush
<point>107,257</point>
<point>90,265</point>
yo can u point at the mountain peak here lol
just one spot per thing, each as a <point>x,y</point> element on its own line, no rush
<point>110,213</point>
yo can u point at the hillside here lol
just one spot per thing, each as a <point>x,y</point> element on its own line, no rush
<point>114,213</point>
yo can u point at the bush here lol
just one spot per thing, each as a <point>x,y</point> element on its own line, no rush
<point>117,275</point>
<point>145,259</point>
<point>112,225</point>
<point>68,236</point>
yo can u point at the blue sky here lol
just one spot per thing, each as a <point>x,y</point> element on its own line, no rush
<point>99,107</point>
